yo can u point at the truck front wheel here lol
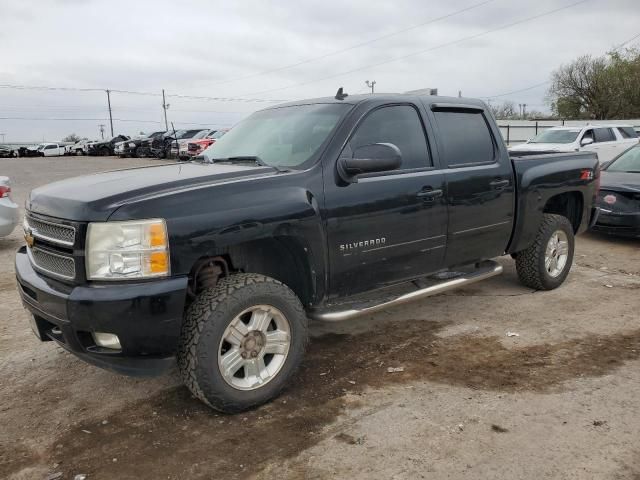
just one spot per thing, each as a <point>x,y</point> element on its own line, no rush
<point>546,263</point>
<point>241,342</point>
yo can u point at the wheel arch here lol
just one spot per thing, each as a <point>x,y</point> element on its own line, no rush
<point>569,205</point>
<point>285,258</point>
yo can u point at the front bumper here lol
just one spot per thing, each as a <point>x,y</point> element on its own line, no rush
<point>623,224</point>
<point>146,317</point>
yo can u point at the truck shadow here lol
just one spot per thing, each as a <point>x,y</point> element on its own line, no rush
<point>174,436</point>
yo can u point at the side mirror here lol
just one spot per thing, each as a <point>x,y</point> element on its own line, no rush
<point>586,141</point>
<point>378,157</point>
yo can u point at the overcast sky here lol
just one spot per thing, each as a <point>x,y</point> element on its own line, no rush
<point>238,50</point>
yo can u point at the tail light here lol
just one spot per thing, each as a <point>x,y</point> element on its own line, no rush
<point>5,191</point>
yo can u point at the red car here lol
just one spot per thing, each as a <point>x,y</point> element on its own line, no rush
<point>196,147</point>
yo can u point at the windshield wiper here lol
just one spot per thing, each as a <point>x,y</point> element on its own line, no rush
<point>249,158</point>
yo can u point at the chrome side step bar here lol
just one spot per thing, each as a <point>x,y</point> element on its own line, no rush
<point>486,270</point>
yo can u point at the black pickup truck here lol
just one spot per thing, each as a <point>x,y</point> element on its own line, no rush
<point>321,209</point>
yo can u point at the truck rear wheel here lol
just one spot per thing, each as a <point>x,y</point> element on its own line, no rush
<point>241,342</point>
<point>546,263</point>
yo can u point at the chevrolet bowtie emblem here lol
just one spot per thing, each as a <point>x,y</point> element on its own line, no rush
<point>29,239</point>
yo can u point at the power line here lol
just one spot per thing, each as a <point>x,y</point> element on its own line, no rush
<point>148,94</point>
<point>77,119</point>
<point>227,99</point>
<point>531,87</point>
<point>419,52</point>
<point>353,47</point>
<point>35,87</point>
<point>628,41</point>
<point>520,90</point>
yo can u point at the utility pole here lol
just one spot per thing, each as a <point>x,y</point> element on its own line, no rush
<point>371,84</point>
<point>165,106</point>
<point>459,93</point>
<point>110,117</point>
<point>102,131</point>
<point>3,134</point>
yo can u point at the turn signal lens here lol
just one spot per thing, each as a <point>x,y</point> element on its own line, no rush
<point>159,263</point>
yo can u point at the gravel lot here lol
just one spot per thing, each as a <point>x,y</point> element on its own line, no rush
<point>561,400</point>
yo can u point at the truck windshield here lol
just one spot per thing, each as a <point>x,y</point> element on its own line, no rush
<point>556,136</point>
<point>280,137</point>
<point>628,162</point>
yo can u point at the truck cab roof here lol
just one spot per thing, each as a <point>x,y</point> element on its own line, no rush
<point>388,98</point>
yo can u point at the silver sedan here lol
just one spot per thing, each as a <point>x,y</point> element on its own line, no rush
<point>8,209</point>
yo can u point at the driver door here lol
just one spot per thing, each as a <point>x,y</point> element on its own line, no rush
<point>389,226</point>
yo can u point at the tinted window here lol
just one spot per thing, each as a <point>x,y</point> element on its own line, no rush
<point>399,125</point>
<point>465,137</point>
<point>604,135</point>
<point>627,132</point>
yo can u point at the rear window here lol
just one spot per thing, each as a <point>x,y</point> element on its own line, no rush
<point>627,132</point>
<point>466,138</point>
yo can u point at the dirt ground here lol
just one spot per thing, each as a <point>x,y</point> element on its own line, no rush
<point>561,400</point>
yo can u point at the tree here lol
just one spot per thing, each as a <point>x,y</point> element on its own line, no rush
<point>606,87</point>
<point>71,138</point>
<point>506,111</point>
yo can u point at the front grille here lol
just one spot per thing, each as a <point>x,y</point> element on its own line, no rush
<point>619,202</point>
<point>52,263</point>
<point>52,232</point>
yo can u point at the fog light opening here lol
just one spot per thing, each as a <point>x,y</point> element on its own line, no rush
<point>107,340</point>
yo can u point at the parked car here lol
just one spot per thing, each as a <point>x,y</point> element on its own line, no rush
<point>106,147</point>
<point>195,147</point>
<point>77,148</point>
<point>31,151</point>
<point>323,209</point>
<point>8,209</point>
<point>134,146</point>
<point>51,149</point>
<point>607,141</point>
<point>174,152</point>
<point>8,152</point>
<point>167,145</point>
<point>179,151</point>
<point>619,197</point>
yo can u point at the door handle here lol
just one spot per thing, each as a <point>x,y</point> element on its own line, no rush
<point>429,195</point>
<point>499,184</point>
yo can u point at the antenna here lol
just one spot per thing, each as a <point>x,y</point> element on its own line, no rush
<point>340,95</point>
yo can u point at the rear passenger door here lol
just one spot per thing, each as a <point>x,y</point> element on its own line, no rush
<point>389,226</point>
<point>480,183</point>
<point>604,143</point>
<point>627,138</point>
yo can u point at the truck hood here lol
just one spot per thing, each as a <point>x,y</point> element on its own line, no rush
<point>96,197</point>
<point>620,181</point>
<point>543,147</point>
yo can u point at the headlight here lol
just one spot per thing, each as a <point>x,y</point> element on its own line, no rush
<point>131,144</point>
<point>123,250</point>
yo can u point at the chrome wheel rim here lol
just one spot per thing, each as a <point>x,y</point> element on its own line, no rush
<point>254,347</point>
<point>557,253</point>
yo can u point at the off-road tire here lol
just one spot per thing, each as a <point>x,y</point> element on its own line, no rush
<point>530,263</point>
<point>204,324</point>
